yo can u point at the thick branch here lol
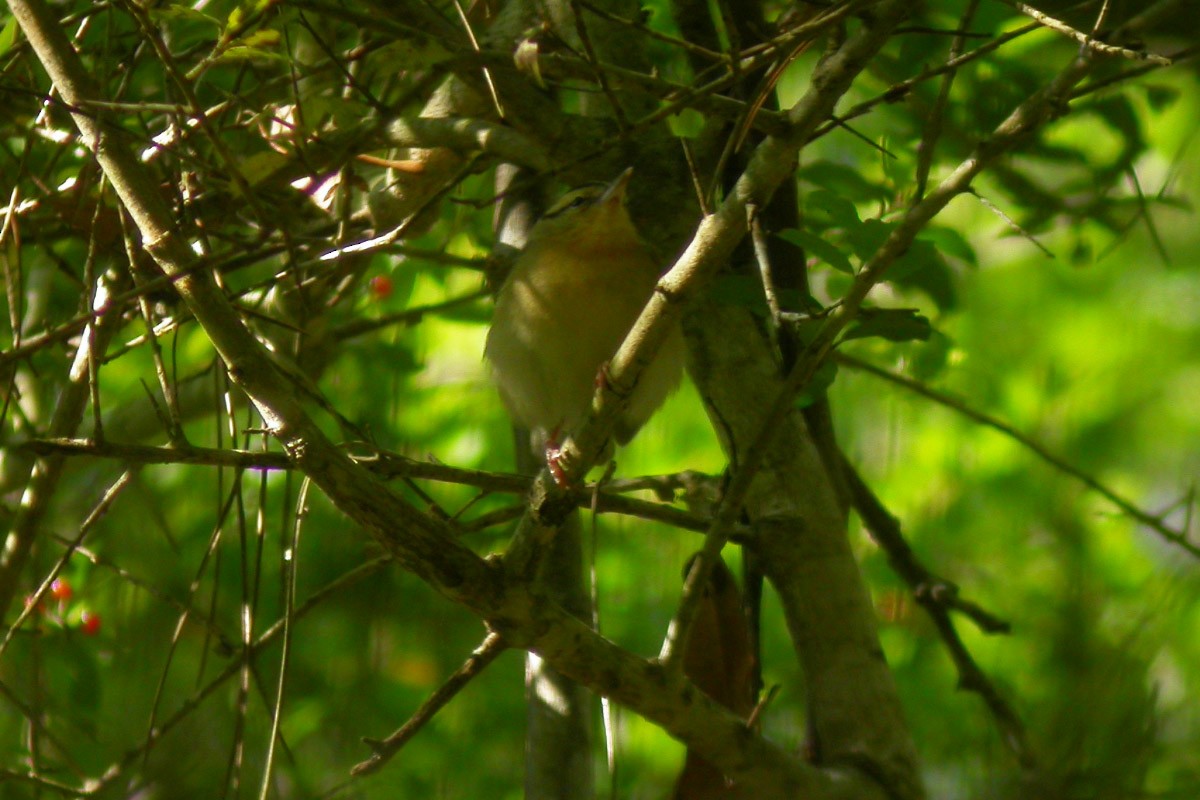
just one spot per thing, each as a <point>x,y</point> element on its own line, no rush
<point>466,136</point>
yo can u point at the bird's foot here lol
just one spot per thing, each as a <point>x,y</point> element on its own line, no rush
<point>555,457</point>
<point>554,462</point>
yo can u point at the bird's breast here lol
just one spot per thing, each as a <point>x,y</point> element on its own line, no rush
<point>558,318</point>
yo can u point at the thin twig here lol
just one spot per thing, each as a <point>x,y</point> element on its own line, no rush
<point>31,605</point>
<point>380,241</point>
<point>694,173</point>
<point>936,597</point>
<point>926,587</point>
<point>1153,521</point>
<point>933,124</point>
<point>646,30</point>
<point>291,562</point>
<point>184,83</point>
<point>157,732</point>
<point>1010,222</point>
<point>1134,72</point>
<point>586,40</point>
<point>762,256</point>
<point>391,465</point>
<point>152,589</point>
<point>174,417</point>
<point>39,729</point>
<point>487,73</point>
<point>1086,39</point>
<point>40,782</point>
<point>405,318</point>
<point>385,749</point>
<point>897,91</point>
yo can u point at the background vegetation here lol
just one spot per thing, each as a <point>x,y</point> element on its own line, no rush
<point>1059,297</point>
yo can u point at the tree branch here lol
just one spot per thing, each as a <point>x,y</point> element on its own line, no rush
<point>937,596</point>
<point>385,749</point>
<point>1153,521</point>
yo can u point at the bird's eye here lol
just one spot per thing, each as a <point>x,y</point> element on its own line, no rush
<point>579,198</point>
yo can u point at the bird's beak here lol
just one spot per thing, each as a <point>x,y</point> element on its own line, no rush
<point>614,193</point>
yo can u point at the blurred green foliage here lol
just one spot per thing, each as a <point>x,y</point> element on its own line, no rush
<point>1089,341</point>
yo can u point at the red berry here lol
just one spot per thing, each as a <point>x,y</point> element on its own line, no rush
<point>381,287</point>
<point>61,590</point>
<point>89,623</point>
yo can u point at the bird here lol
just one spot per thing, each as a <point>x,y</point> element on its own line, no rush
<point>572,295</point>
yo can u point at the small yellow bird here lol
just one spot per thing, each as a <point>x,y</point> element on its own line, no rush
<point>571,298</point>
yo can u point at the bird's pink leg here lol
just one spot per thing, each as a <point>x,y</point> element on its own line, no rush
<point>554,456</point>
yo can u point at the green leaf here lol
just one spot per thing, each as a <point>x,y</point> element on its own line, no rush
<point>867,237</point>
<point>893,324</point>
<point>687,124</point>
<point>747,291</point>
<point>472,312</point>
<point>896,170</point>
<point>262,165</point>
<point>177,11</point>
<point>1159,97</point>
<point>1119,113</point>
<point>922,267</point>
<point>242,53</point>
<point>820,383</point>
<point>841,180</point>
<point>838,284</point>
<point>929,360</point>
<point>950,242</point>
<point>1058,154</point>
<point>8,35</point>
<point>266,37</point>
<point>805,329</point>
<point>816,246</point>
<point>826,206</point>
<point>796,300</point>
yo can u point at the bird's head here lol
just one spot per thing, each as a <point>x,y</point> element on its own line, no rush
<point>590,216</point>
